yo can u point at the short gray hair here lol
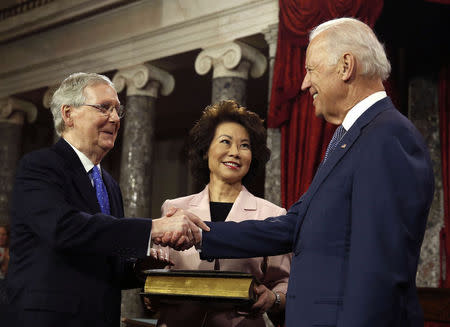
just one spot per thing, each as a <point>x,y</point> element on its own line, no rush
<point>71,92</point>
<point>352,35</point>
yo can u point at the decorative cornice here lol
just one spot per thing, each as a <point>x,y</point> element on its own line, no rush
<point>144,79</point>
<point>231,59</point>
<point>21,8</point>
<point>9,106</point>
<point>32,16</point>
<point>128,43</point>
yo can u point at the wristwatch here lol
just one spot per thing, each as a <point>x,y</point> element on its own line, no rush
<point>277,299</point>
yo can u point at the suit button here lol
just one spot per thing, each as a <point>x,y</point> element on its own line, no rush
<point>210,260</point>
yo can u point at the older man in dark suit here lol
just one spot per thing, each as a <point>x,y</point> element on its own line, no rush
<point>70,253</point>
<point>356,233</point>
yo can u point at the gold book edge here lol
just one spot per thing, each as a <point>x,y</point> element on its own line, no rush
<point>199,286</point>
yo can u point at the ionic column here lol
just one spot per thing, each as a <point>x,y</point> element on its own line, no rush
<point>13,113</point>
<point>272,184</point>
<point>424,113</point>
<point>143,83</point>
<point>231,63</point>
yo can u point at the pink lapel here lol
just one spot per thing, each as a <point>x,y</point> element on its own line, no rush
<point>199,205</point>
<point>244,207</point>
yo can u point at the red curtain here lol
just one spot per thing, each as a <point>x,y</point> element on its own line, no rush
<point>304,137</point>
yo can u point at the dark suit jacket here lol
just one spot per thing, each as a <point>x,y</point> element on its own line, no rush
<point>356,233</point>
<point>68,260</point>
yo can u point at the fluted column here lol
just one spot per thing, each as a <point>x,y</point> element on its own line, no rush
<point>272,184</point>
<point>143,83</point>
<point>424,113</point>
<point>13,113</point>
<point>231,63</point>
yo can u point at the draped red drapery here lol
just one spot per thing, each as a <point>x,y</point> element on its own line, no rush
<point>304,136</point>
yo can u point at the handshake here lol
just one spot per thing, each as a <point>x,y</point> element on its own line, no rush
<point>179,229</point>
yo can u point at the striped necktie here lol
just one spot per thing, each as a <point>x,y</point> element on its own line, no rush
<point>337,136</point>
<point>100,190</point>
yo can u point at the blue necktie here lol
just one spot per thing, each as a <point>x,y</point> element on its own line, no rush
<point>100,190</point>
<point>337,136</point>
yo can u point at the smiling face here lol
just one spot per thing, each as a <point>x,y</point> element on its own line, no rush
<point>323,81</point>
<point>230,154</point>
<point>88,130</point>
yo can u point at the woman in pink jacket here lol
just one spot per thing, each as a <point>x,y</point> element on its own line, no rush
<point>227,147</point>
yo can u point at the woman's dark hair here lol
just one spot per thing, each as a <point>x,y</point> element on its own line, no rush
<point>202,134</point>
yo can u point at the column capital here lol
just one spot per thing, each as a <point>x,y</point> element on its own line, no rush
<point>233,59</point>
<point>13,110</point>
<point>144,79</point>
<point>271,37</point>
<point>47,98</point>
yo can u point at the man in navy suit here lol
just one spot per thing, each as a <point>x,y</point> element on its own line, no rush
<point>356,233</point>
<point>70,253</point>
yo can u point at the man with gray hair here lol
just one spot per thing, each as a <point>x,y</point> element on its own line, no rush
<point>357,231</point>
<point>70,254</point>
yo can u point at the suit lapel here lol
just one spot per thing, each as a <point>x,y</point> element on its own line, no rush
<point>80,178</point>
<point>244,203</point>
<point>349,139</point>
<point>199,204</point>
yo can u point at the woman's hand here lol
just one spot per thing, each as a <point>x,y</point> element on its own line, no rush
<point>266,300</point>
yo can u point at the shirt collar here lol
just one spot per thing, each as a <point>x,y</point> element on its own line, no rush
<point>361,107</point>
<point>87,164</point>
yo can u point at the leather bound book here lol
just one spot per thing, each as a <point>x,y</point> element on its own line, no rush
<point>221,289</point>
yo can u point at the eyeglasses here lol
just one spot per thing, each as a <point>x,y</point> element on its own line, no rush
<point>107,109</point>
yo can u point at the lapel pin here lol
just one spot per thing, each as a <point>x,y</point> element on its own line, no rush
<point>343,146</point>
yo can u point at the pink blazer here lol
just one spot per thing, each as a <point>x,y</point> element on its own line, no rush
<point>272,271</point>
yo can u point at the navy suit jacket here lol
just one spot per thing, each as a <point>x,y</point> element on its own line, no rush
<point>68,260</point>
<point>355,234</point>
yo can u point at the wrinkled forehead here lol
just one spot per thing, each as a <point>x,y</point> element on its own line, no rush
<point>316,51</point>
<point>100,91</point>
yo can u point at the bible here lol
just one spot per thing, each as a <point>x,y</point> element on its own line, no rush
<point>223,289</point>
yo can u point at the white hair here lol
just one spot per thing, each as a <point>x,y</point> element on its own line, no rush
<point>71,92</point>
<point>352,35</point>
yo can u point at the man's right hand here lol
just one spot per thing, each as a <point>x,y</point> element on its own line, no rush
<point>180,231</point>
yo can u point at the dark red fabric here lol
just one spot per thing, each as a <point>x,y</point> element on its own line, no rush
<point>304,137</point>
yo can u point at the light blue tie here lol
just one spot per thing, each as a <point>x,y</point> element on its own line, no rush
<point>100,190</point>
<point>337,136</point>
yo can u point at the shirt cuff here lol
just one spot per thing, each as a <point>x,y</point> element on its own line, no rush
<point>150,243</point>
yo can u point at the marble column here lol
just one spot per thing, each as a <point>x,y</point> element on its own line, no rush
<point>272,184</point>
<point>424,113</point>
<point>143,83</point>
<point>231,63</point>
<point>13,113</point>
